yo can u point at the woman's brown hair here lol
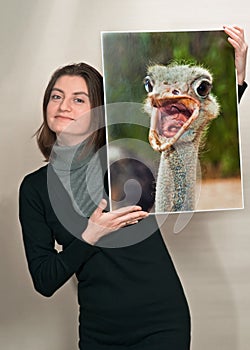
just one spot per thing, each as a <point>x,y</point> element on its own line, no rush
<point>45,136</point>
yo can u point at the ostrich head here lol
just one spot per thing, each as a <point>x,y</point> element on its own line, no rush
<point>179,102</point>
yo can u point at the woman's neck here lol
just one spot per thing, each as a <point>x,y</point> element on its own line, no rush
<point>70,140</point>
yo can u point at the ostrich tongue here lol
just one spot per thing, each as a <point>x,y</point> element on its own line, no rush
<point>170,118</point>
<point>173,117</point>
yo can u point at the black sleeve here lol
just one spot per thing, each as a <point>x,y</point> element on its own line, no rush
<point>241,89</point>
<point>49,268</point>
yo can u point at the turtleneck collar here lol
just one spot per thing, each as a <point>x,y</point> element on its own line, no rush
<point>69,158</point>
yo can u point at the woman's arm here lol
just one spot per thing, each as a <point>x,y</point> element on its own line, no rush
<point>49,269</point>
<point>237,40</point>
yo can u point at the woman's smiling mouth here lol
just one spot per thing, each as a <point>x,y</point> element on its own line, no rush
<point>63,118</point>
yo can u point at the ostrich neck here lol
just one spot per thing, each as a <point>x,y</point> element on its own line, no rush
<point>175,187</point>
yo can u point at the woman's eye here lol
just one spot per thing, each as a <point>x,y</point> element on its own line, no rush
<point>79,100</point>
<point>55,97</point>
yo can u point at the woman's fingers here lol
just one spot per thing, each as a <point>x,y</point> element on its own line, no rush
<point>137,215</point>
<point>103,204</point>
<point>130,218</point>
<point>132,222</point>
<point>237,40</point>
<point>236,34</point>
<point>128,209</point>
<point>102,223</point>
<point>128,215</point>
<point>99,210</point>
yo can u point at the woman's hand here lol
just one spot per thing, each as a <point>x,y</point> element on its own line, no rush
<point>100,223</point>
<point>237,40</point>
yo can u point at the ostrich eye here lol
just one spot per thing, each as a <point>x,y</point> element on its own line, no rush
<point>148,84</point>
<point>203,88</point>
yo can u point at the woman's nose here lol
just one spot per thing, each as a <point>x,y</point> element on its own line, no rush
<point>65,105</point>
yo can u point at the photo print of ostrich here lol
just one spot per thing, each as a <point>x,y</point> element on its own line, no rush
<point>172,121</point>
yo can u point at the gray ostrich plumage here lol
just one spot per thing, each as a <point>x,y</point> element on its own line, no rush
<point>181,106</point>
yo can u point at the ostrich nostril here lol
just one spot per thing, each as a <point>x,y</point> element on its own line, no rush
<point>175,92</point>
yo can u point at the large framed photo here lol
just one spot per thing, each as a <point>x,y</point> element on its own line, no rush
<point>172,121</point>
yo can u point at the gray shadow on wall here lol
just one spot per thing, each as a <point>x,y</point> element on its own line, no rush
<point>28,320</point>
<point>210,296</point>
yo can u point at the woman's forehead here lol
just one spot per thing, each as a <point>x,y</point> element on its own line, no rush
<point>74,83</point>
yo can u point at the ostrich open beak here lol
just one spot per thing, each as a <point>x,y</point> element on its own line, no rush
<point>170,118</point>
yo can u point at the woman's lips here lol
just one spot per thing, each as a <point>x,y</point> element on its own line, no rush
<point>63,118</point>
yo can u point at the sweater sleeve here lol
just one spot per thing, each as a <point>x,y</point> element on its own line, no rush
<point>241,89</point>
<point>49,268</point>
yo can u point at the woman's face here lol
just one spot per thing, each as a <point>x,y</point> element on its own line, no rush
<point>68,110</point>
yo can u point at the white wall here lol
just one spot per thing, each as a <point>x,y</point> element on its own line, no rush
<point>211,253</point>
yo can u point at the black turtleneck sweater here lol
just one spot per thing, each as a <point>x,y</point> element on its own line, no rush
<point>129,297</point>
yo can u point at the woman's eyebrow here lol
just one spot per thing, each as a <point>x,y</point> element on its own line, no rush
<point>81,93</point>
<point>56,89</point>
<point>74,93</point>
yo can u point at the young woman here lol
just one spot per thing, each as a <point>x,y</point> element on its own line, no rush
<point>129,297</point>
